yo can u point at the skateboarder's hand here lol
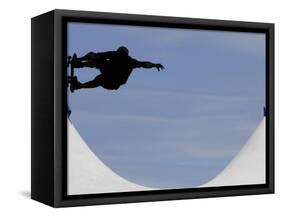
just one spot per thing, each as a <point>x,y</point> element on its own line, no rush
<point>159,66</point>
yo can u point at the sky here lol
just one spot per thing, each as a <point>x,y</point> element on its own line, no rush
<point>176,128</point>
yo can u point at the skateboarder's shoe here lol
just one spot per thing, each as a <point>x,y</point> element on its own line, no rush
<point>74,84</point>
<point>75,63</point>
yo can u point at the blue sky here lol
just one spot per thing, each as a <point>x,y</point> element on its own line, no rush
<point>176,128</point>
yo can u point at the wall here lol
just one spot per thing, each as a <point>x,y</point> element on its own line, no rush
<point>15,106</point>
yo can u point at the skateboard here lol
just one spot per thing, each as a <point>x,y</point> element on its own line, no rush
<point>71,77</point>
<point>70,64</point>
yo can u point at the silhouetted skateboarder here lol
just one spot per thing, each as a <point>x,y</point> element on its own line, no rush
<point>115,67</point>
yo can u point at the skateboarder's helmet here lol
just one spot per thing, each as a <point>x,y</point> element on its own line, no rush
<point>123,49</point>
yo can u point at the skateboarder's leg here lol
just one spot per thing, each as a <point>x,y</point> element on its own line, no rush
<point>89,63</point>
<point>75,84</point>
<point>88,56</point>
<point>89,60</point>
<point>92,84</point>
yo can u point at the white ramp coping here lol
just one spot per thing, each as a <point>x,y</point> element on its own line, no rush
<point>248,167</point>
<point>87,174</point>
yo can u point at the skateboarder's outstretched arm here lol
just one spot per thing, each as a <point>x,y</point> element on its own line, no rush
<point>147,64</point>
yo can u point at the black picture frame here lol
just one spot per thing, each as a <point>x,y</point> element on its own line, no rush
<point>48,108</point>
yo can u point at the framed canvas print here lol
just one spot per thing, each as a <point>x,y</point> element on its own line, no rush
<point>132,108</point>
